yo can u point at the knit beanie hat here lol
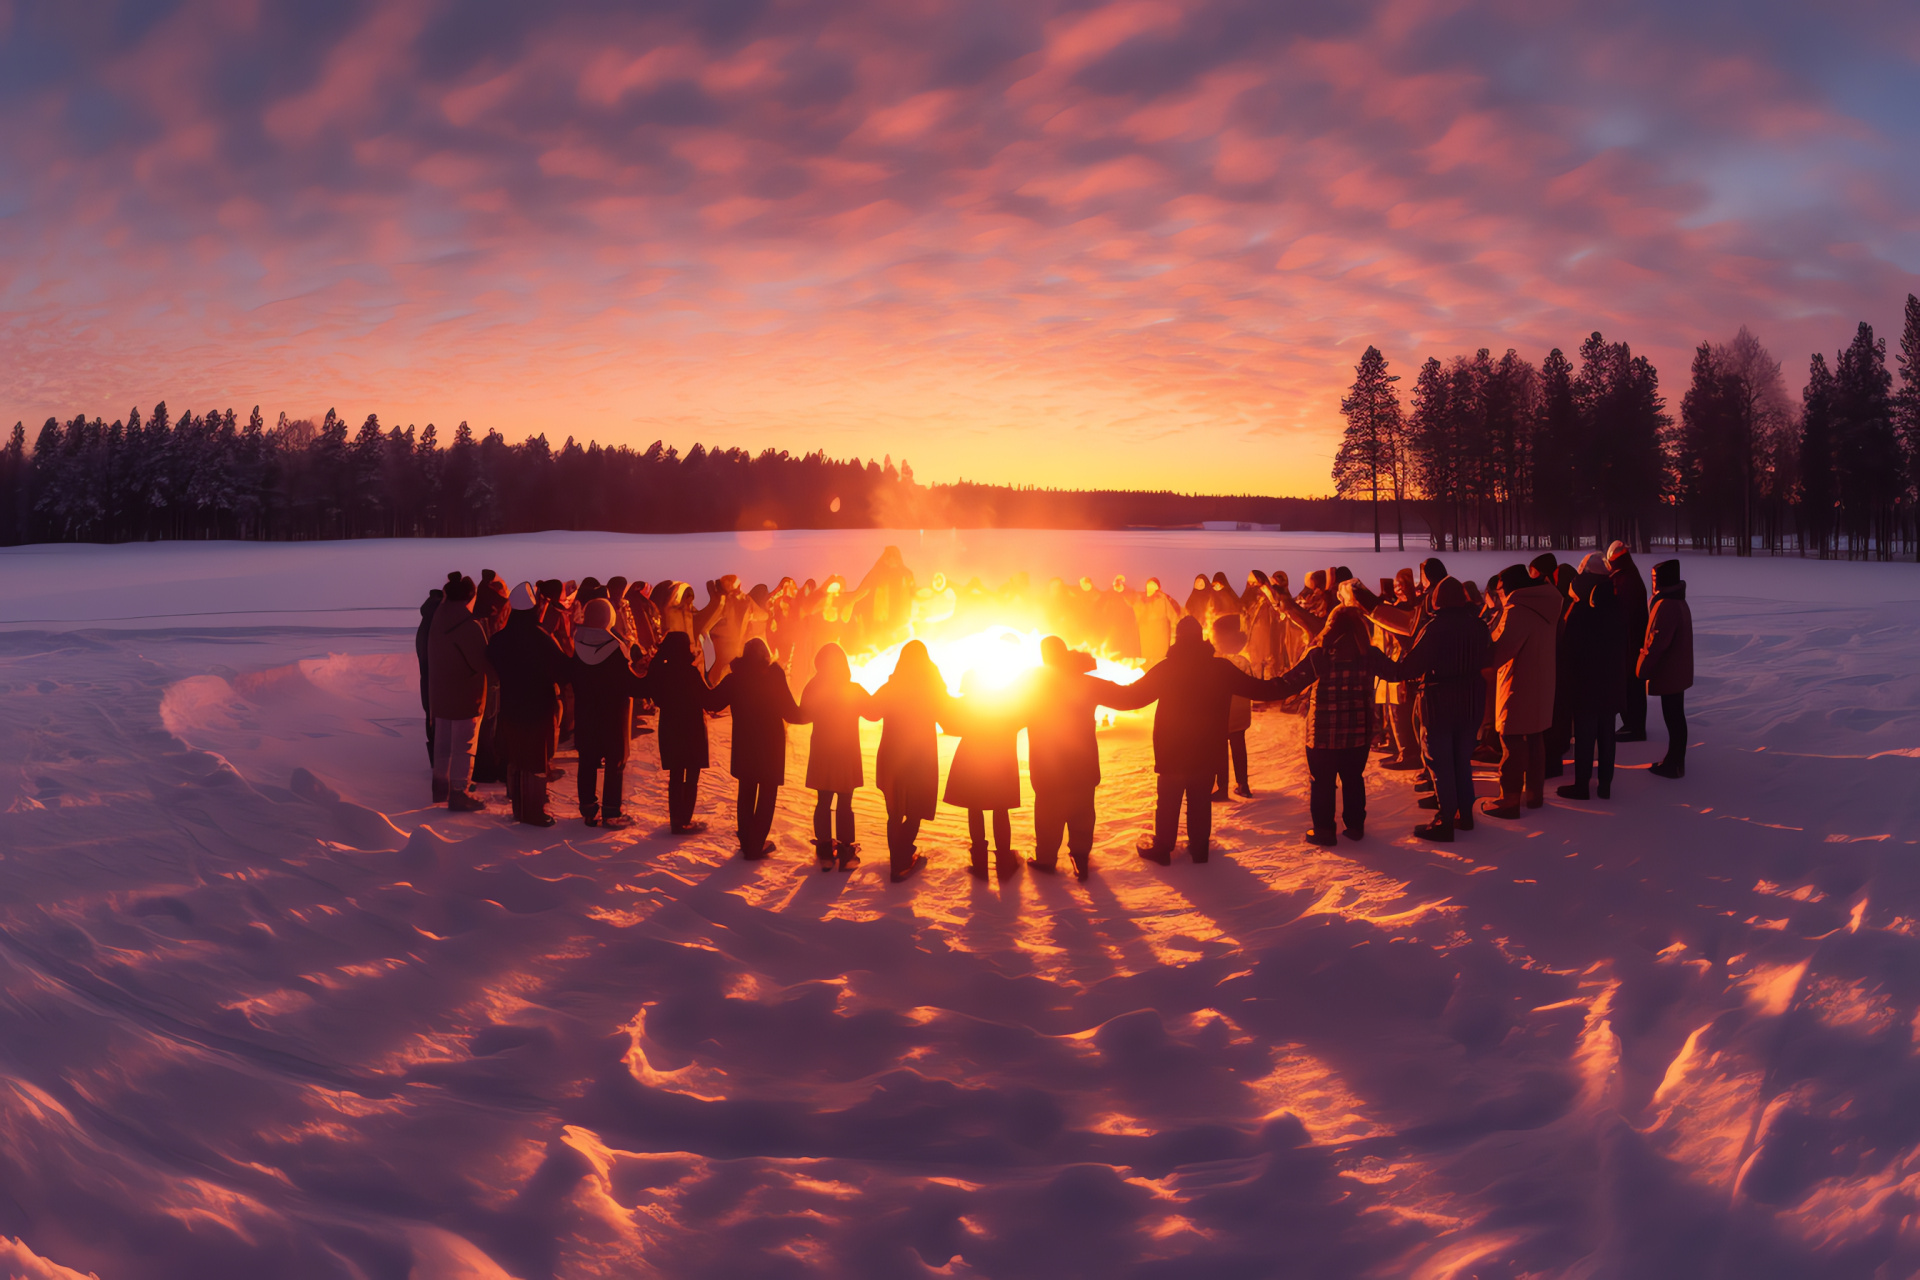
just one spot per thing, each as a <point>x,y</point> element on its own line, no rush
<point>1666,574</point>
<point>1450,594</point>
<point>1544,564</point>
<point>1515,577</point>
<point>523,597</point>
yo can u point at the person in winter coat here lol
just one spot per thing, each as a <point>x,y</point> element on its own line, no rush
<point>491,609</point>
<point>1630,594</point>
<point>1524,644</point>
<point>1589,676</point>
<point>984,777</point>
<point>1195,689</point>
<point>883,602</point>
<point>1063,755</point>
<point>1666,662</point>
<point>755,691</point>
<point>729,619</point>
<point>1340,670</point>
<point>674,684</point>
<point>604,687</point>
<point>1559,735</point>
<point>912,704</point>
<point>834,705</point>
<point>428,607</point>
<point>1200,602</point>
<point>1230,642</point>
<point>532,669</point>
<point>1119,627</point>
<point>457,668</point>
<point>1443,665</point>
<point>1156,615</point>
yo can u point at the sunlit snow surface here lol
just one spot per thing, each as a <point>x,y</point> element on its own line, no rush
<point>264,1014</point>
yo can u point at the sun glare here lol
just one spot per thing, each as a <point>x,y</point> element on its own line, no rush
<point>996,656</point>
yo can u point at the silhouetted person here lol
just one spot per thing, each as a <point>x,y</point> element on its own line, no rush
<point>458,670</point>
<point>834,705</point>
<point>1230,642</point>
<point>1156,614</point>
<point>1195,690</point>
<point>1590,676</point>
<point>1630,593</point>
<point>912,703</point>
<point>755,690</point>
<point>491,610</point>
<point>1524,645</point>
<point>674,684</point>
<point>1443,666</point>
<point>1063,755</point>
<point>729,619</point>
<point>1559,734</point>
<point>1200,602</point>
<point>1666,662</point>
<point>604,687</point>
<point>1120,630</point>
<point>532,669</point>
<point>1340,669</point>
<point>428,607</point>
<point>984,777</point>
<point>883,602</point>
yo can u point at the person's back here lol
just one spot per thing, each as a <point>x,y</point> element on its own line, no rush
<point>1592,643</point>
<point>1525,643</point>
<point>1666,661</point>
<point>755,689</point>
<point>531,666</point>
<point>457,663</point>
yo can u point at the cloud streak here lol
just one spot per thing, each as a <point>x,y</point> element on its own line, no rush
<point>1131,242</point>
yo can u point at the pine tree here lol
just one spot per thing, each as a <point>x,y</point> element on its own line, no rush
<point>1906,407</point>
<point>1557,495</point>
<point>1869,472</point>
<point>1370,451</point>
<point>1816,456</point>
<point>1434,453</point>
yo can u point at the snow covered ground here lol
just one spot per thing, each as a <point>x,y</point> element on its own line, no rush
<point>262,1013</point>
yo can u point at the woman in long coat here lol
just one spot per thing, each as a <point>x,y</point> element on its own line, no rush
<point>985,775</point>
<point>673,683</point>
<point>755,690</point>
<point>833,704</point>
<point>913,702</point>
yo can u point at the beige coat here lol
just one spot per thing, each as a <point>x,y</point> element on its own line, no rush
<point>1524,641</point>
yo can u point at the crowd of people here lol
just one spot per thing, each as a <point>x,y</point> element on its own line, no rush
<point>1433,672</point>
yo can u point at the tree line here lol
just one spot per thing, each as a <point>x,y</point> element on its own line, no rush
<point>213,475</point>
<point>1499,452</point>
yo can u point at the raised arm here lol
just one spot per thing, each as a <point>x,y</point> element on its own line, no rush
<point>1131,697</point>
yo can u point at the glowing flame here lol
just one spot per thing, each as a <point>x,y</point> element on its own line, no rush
<point>997,656</point>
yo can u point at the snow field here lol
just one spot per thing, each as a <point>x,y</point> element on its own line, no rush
<point>263,1013</point>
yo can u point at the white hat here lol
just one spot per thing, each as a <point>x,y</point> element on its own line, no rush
<point>523,597</point>
<point>1616,549</point>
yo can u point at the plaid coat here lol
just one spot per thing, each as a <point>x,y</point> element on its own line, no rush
<point>1340,713</point>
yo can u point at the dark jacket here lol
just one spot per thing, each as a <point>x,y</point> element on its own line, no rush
<point>1063,755</point>
<point>531,666</point>
<point>833,708</point>
<point>604,687</point>
<point>1666,660</point>
<point>681,693</point>
<point>1591,646</point>
<point>457,665</point>
<point>1195,690</point>
<point>762,707</point>
<point>1446,659</point>
<point>428,608</point>
<point>907,766</point>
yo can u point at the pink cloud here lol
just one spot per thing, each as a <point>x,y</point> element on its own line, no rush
<point>1132,243</point>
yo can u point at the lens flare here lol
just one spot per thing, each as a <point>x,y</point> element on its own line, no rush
<point>997,656</point>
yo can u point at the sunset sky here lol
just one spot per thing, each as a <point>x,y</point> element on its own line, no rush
<point>1124,243</point>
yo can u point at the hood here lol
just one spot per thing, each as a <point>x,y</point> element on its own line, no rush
<point>1189,651</point>
<point>1542,599</point>
<point>1672,591</point>
<point>593,646</point>
<point>451,615</point>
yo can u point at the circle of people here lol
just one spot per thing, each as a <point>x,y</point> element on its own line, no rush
<point>1432,671</point>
